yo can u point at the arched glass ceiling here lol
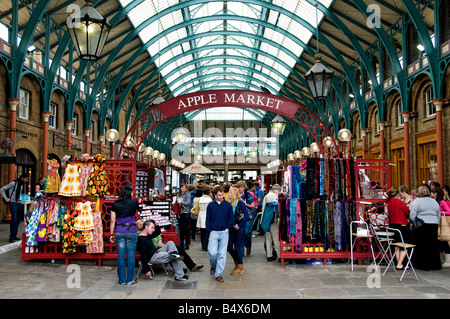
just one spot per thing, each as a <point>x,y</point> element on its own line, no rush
<point>233,45</point>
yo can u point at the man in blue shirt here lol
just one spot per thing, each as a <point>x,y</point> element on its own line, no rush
<point>259,198</point>
<point>219,221</point>
<point>249,201</point>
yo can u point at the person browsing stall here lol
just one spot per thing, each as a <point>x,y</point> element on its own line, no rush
<point>124,233</point>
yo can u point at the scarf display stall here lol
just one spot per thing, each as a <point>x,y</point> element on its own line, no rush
<point>325,196</point>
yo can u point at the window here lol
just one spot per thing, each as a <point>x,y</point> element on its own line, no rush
<point>52,117</point>
<point>91,136</point>
<point>400,120</point>
<point>4,32</point>
<point>430,108</point>
<point>24,105</point>
<point>75,124</point>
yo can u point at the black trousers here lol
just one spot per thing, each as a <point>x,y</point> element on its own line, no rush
<point>427,247</point>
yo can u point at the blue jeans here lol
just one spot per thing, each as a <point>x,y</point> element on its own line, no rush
<point>126,245</point>
<point>236,244</point>
<point>15,210</point>
<point>217,250</point>
<point>248,230</point>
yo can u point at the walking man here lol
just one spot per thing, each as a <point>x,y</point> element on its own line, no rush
<point>219,221</point>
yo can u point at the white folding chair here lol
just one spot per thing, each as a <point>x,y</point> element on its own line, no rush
<point>152,272</point>
<point>383,238</point>
<point>399,245</point>
<point>357,236</point>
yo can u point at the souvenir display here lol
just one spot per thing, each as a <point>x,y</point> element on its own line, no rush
<point>52,181</point>
<point>320,205</point>
<point>98,181</point>
<point>70,185</point>
<point>85,172</point>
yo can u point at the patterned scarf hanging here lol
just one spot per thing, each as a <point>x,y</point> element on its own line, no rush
<point>337,226</point>
<point>321,177</point>
<point>330,222</point>
<point>298,229</point>
<point>293,216</point>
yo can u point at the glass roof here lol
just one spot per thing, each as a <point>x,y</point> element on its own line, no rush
<point>226,113</point>
<point>224,43</point>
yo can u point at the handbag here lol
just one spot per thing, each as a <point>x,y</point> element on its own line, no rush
<point>195,210</point>
<point>444,228</point>
<point>176,208</point>
<point>416,223</point>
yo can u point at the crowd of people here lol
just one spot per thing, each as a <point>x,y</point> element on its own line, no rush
<point>223,215</point>
<point>416,214</point>
<point>224,218</point>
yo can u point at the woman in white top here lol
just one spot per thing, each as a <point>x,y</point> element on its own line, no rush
<point>203,202</point>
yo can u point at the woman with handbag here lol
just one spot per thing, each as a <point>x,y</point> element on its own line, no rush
<point>425,215</point>
<point>444,225</point>
<point>236,237</point>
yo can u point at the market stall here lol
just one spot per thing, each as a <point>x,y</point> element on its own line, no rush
<point>325,196</point>
<point>70,220</point>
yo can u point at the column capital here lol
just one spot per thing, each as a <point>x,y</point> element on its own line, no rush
<point>69,125</point>
<point>13,104</point>
<point>363,132</point>
<point>381,124</point>
<point>438,103</point>
<point>45,116</point>
<point>406,116</point>
<point>87,131</point>
<point>101,138</point>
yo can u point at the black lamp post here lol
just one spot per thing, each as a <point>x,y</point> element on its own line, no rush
<point>89,31</point>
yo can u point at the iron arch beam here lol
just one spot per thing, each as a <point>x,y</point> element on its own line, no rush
<point>430,51</point>
<point>20,52</point>
<point>238,98</point>
<point>395,63</point>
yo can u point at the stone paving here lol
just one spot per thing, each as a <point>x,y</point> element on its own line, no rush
<point>262,280</point>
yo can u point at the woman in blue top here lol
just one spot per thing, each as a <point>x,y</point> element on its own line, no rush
<point>124,232</point>
<point>236,237</point>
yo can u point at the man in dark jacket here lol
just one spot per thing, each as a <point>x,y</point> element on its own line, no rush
<point>219,221</point>
<point>14,189</point>
<point>153,255</point>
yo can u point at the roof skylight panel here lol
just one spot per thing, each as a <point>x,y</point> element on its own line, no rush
<point>241,40</point>
<point>142,12</point>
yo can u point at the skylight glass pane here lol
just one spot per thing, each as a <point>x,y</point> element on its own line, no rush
<point>224,114</point>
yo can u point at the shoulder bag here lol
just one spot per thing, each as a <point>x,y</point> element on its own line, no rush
<point>238,213</point>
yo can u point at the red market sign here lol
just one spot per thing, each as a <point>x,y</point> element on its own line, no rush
<point>227,98</point>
